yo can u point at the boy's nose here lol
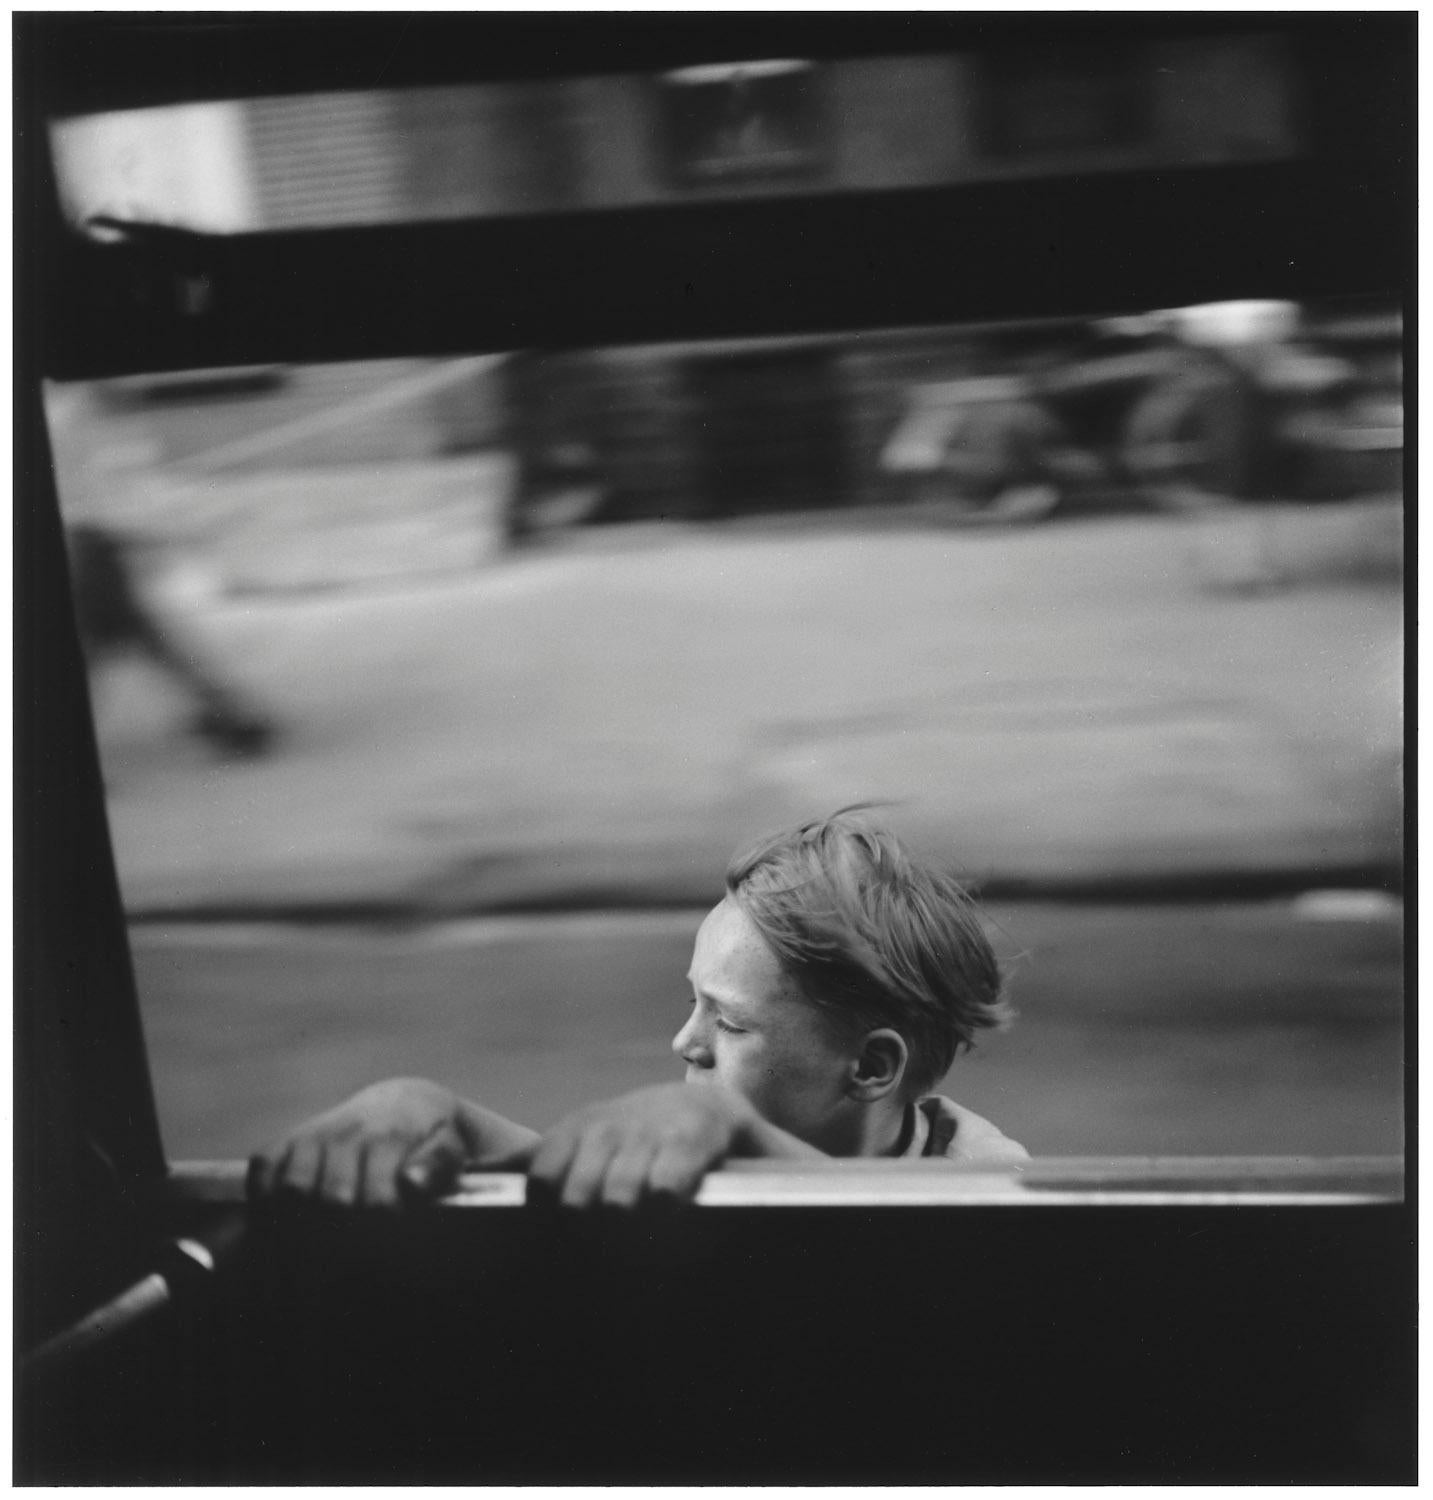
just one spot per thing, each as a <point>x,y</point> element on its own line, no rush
<point>689,1046</point>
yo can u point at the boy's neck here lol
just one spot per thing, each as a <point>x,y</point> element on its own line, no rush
<point>879,1129</point>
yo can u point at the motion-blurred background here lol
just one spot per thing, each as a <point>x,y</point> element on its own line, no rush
<point>433,695</point>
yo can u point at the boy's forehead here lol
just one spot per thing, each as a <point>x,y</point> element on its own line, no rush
<point>730,954</point>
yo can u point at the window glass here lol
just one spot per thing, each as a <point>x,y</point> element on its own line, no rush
<point>433,695</point>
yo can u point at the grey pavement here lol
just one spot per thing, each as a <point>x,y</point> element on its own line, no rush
<point>601,722</point>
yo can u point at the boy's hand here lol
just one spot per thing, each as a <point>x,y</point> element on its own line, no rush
<point>401,1139</point>
<point>656,1144</point>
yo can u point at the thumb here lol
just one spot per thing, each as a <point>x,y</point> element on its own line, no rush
<point>435,1163</point>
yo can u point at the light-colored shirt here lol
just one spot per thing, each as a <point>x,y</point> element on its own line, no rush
<point>944,1128</point>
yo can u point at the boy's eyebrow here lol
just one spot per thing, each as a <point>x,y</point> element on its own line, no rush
<point>733,1002</point>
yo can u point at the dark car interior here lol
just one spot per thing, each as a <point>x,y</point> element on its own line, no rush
<point>1209,1321</point>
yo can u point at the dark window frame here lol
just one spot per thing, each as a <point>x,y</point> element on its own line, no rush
<point>1338,223</point>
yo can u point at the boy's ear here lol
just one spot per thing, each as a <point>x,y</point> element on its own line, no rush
<point>879,1065</point>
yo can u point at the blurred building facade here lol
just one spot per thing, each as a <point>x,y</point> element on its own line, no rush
<point>701,432</point>
<point>766,128</point>
<point>660,431</point>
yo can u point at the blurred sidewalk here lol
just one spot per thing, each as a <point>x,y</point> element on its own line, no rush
<point>602,722</point>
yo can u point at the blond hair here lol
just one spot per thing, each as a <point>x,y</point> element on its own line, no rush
<point>874,937</point>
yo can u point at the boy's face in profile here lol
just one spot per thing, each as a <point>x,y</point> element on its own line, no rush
<point>751,1030</point>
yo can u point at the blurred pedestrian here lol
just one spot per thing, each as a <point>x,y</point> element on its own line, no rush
<point>114,618</point>
<point>1232,428</point>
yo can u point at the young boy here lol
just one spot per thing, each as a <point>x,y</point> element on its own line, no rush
<point>831,990</point>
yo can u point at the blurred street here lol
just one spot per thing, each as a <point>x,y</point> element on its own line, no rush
<point>596,725</point>
<point>504,783</point>
<point>602,722</point>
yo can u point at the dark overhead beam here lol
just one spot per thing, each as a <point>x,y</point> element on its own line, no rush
<point>1121,242</point>
<point>117,60</point>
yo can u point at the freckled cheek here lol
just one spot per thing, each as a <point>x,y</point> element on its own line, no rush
<point>772,1073</point>
<point>751,1069</point>
<point>780,1074</point>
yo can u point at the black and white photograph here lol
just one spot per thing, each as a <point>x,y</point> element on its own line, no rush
<point>710,734</point>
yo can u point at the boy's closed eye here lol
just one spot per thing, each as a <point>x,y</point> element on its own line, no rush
<point>721,1021</point>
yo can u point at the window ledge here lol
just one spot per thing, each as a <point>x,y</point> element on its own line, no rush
<point>1046,1182</point>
